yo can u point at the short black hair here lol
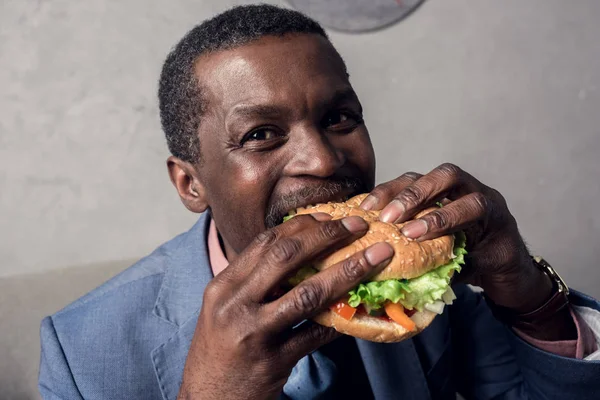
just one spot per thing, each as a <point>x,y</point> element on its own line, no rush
<point>180,96</point>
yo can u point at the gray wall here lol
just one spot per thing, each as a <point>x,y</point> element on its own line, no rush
<point>510,90</point>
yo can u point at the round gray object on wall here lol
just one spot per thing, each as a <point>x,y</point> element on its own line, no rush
<point>356,15</point>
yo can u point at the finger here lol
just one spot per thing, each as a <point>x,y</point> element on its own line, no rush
<point>454,217</point>
<point>283,255</point>
<point>238,272</point>
<point>324,288</point>
<point>385,192</point>
<point>307,338</point>
<point>422,193</point>
<point>321,216</point>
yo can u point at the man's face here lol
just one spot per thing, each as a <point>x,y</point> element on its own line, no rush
<point>282,129</point>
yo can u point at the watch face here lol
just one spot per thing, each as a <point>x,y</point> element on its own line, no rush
<point>356,15</point>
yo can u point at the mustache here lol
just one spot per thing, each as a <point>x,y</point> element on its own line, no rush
<point>321,192</point>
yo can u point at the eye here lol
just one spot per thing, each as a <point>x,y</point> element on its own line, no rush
<point>263,138</point>
<point>262,134</point>
<point>341,120</point>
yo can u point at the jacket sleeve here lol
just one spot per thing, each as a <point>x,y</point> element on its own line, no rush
<point>55,380</point>
<point>492,362</point>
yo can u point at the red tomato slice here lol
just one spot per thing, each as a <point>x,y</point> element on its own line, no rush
<point>343,309</point>
<point>410,313</point>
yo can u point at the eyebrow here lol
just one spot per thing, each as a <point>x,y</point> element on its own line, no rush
<point>256,110</point>
<point>341,96</point>
<point>272,111</point>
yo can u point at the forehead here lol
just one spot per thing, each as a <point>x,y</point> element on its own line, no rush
<point>271,69</point>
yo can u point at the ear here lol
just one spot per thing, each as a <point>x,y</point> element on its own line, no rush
<point>184,177</point>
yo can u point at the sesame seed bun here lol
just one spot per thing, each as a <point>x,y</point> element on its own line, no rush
<point>411,259</point>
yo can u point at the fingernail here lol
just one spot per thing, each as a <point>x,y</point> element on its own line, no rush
<point>355,224</point>
<point>392,211</point>
<point>415,229</point>
<point>379,253</point>
<point>368,203</point>
<point>321,216</point>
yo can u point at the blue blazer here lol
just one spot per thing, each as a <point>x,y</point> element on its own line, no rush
<point>129,338</point>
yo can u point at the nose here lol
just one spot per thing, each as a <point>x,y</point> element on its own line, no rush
<point>314,154</point>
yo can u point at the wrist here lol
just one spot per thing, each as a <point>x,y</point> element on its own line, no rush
<point>520,288</point>
<point>559,327</point>
<point>536,289</point>
<point>543,310</point>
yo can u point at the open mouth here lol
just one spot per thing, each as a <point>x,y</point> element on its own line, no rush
<point>306,197</point>
<point>314,201</point>
<point>313,204</point>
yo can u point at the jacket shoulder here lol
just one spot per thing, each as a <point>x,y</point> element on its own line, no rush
<point>112,325</point>
<point>144,275</point>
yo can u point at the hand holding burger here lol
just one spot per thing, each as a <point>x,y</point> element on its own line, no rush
<point>498,260</point>
<point>403,298</point>
<point>247,334</point>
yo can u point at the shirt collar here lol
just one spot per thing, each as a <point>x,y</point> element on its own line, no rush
<point>218,261</point>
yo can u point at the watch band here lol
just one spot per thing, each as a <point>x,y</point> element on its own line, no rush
<point>529,321</point>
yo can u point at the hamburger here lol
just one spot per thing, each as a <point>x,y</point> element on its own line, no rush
<point>404,298</point>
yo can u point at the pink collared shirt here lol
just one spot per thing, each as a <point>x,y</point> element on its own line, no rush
<point>579,348</point>
<point>218,261</point>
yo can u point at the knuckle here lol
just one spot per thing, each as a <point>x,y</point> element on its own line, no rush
<point>308,297</point>
<point>320,334</point>
<point>437,219</point>
<point>221,315</point>
<point>212,291</point>
<point>332,229</point>
<point>450,170</point>
<point>317,333</point>
<point>410,176</point>
<point>354,268</point>
<point>481,202</point>
<point>381,191</point>
<point>300,220</point>
<point>285,250</point>
<point>411,195</point>
<point>266,238</point>
<point>223,312</point>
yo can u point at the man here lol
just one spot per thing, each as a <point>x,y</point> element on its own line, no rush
<point>261,118</point>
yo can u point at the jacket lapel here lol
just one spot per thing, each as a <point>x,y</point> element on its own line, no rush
<point>394,370</point>
<point>178,303</point>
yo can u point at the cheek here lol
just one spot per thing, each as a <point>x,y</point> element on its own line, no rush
<point>361,154</point>
<point>238,195</point>
<point>252,181</point>
<point>234,179</point>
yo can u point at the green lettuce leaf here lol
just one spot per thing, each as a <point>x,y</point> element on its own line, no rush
<point>412,293</point>
<point>374,294</point>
